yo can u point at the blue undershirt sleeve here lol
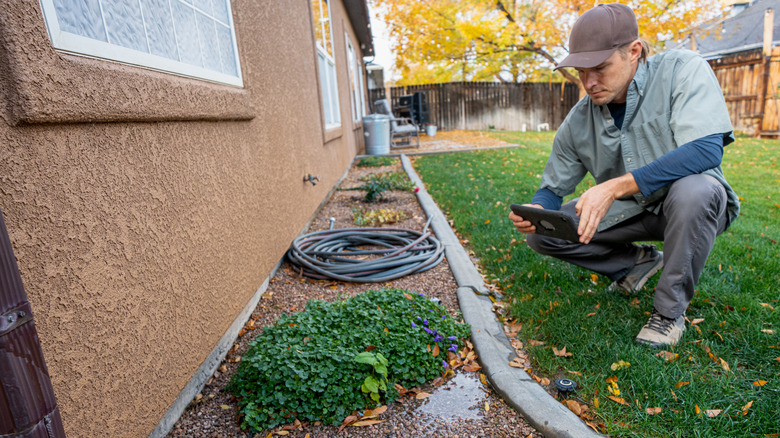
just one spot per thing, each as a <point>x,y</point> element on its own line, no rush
<point>689,159</point>
<point>547,199</point>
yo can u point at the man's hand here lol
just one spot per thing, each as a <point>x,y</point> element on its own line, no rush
<point>594,204</point>
<point>521,224</point>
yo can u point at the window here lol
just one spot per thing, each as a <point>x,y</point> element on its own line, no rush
<point>192,38</point>
<point>327,63</point>
<point>356,82</point>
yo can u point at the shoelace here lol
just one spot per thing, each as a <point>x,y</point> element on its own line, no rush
<point>659,323</point>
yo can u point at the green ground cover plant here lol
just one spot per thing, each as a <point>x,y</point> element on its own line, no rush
<point>376,161</point>
<point>375,184</point>
<point>721,380</point>
<point>337,357</point>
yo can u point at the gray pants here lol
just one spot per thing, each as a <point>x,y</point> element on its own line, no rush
<point>694,213</point>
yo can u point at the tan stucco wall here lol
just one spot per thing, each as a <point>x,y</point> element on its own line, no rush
<point>146,209</point>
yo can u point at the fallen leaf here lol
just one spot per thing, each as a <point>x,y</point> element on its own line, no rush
<point>619,365</point>
<point>724,364</point>
<point>618,400</point>
<point>777,359</point>
<point>372,413</point>
<point>435,350</point>
<point>282,432</point>
<point>562,352</point>
<point>576,373</point>
<point>224,407</point>
<point>767,306</point>
<point>746,407</point>
<point>408,297</point>
<point>653,411</point>
<point>349,420</point>
<point>366,423</point>
<point>421,395</point>
<point>574,407</point>
<point>591,314</point>
<point>667,355</point>
<point>698,410</point>
<point>595,280</point>
<point>535,343</point>
<point>223,369</point>
<point>198,397</point>
<point>712,413</point>
<point>472,368</point>
<point>516,363</point>
<point>544,381</point>
<point>760,383</point>
<point>596,402</point>
<point>681,384</point>
<point>483,379</point>
<point>696,321</point>
<point>308,435</point>
<point>768,331</point>
<point>487,221</point>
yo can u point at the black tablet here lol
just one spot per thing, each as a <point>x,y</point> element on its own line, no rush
<point>551,223</point>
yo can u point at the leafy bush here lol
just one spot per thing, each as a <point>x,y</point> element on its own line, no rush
<point>377,183</point>
<point>369,218</point>
<point>313,365</point>
<point>376,161</point>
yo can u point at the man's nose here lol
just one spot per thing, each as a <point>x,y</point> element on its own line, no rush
<point>588,80</point>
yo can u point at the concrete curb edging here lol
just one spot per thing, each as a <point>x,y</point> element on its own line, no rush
<point>542,411</point>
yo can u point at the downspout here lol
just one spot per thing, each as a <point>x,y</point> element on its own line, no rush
<point>28,408</point>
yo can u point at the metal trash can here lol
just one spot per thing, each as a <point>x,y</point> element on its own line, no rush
<point>376,130</point>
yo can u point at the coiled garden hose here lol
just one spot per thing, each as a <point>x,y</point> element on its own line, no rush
<point>365,255</point>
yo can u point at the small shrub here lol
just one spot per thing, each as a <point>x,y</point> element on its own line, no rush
<point>370,218</point>
<point>376,161</point>
<point>313,365</point>
<point>377,183</point>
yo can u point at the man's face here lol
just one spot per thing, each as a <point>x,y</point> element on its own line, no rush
<point>608,82</point>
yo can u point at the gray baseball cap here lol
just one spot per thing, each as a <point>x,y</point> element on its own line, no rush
<point>598,33</point>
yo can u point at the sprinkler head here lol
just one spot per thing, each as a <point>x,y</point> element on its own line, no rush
<point>565,387</point>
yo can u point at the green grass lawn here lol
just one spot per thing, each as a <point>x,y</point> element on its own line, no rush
<point>727,363</point>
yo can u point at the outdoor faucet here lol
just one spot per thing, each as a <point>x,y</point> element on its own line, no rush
<point>311,178</point>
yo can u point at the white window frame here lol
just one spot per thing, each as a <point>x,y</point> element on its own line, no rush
<point>80,45</point>
<point>327,67</point>
<point>356,79</point>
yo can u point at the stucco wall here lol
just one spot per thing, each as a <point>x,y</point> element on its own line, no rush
<point>146,209</point>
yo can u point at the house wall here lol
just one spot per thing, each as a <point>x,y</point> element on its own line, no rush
<point>145,209</point>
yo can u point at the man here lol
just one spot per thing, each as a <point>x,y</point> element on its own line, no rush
<point>651,132</point>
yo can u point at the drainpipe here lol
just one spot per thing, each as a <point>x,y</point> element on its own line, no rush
<point>769,18</point>
<point>28,408</point>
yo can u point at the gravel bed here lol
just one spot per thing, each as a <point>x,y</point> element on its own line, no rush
<point>214,412</point>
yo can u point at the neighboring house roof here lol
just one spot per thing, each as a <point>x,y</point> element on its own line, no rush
<point>744,31</point>
<point>358,15</point>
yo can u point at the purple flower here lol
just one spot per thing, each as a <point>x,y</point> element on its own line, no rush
<point>427,330</point>
<point>425,322</point>
<point>453,348</point>
<point>421,294</point>
<point>413,324</point>
<point>438,339</point>
<point>444,363</point>
<point>444,317</point>
<point>419,318</point>
<point>452,338</point>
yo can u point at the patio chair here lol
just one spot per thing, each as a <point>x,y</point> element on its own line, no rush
<point>402,129</point>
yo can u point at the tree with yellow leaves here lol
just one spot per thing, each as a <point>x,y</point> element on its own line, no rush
<point>511,40</point>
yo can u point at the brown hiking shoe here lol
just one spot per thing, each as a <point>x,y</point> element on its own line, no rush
<point>661,331</point>
<point>648,263</point>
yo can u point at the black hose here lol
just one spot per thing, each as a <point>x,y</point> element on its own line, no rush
<point>342,254</point>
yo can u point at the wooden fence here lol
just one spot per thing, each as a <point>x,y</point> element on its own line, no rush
<point>489,105</point>
<point>750,86</point>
